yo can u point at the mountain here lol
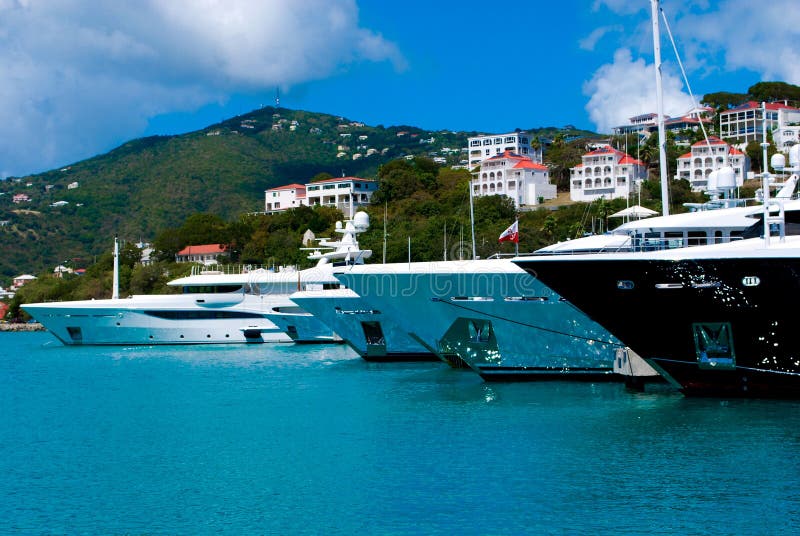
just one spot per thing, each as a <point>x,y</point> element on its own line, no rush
<point>149,184</point>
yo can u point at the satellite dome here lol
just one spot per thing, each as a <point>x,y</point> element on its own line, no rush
<point>794,155</point>
<point>726,178</point>
<point>712,181</point>
<point>361,220</point>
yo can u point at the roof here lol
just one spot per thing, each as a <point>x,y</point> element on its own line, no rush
<point>713,140</point>
<point>25,276</point>
<point>530,164</point>
<point>341,179</point>
<point>287,187</point>
<point>628,159</point>
<point>753,104</point>
<point>201,249</point>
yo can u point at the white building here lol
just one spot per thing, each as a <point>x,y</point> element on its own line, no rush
<point>744,123</point>
<point>284,197</point>
<point>605,172</point>
<point>339,192</point>
<point>20,280</point>
<point>515,176</point>
<point>482,147</point>
<point>647,124</point>
<point>705,157</point>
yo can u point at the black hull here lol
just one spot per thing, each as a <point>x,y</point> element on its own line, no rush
<point>715,327</point>
<point>401,357</point>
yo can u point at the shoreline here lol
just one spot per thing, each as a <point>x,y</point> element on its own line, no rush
<point>16,326</point>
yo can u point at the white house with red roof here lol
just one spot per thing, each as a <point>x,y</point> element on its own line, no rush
<point>204,253</point>
<point>707,156</point>
<point>284,197</point>
<point>745,123</point>
<point>646,124</point>
<point>605,173</point>
<point>515,176</point>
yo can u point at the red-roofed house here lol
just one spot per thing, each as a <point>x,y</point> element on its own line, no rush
<point>516,176</point>
<point>745,123</point>
<point>205,253</point>
<point>705,157</point>
<point>605,172</point>
<point>284,197</point>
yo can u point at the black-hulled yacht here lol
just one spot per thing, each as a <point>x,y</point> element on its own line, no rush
<point>715,320</point>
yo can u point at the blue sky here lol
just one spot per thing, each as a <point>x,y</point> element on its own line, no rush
<point>81,77</point>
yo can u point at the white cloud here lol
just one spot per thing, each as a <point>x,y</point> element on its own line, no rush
<point>590,41</point>
<point>626,88</point>
<point>739,34</point>
<point>81,75</point>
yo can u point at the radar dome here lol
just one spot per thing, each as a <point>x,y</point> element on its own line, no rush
<point>778,161</point>
<point>361,220</point>
<point>726,179</point>
<point>712,181</point>
<point>794,155</point>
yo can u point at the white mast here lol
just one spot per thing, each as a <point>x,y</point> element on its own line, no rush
<point>115,283</point>
<point>765,172</point>
<point>662,139</point>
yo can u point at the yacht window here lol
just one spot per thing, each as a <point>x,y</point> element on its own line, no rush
<point>211,289</point>
<point>673,239</point>
<point>697,238</point>
<point>201,315</point>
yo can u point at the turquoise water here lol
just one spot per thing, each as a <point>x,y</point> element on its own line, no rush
<point>281,439</point>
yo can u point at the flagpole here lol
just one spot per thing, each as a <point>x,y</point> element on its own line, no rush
<point>516,244</point>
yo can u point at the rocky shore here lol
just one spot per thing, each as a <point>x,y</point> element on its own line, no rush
<point>10,326</point>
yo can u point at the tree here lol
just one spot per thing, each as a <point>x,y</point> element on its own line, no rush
<point>559,158</point>
<point>724,100</point>
<point>774,91</point>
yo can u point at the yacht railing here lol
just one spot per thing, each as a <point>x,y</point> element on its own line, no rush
<point>237,269</point>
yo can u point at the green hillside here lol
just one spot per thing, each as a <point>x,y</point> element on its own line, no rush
<point>150,184</point>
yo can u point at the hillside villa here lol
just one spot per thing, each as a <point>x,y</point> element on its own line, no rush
<point>205,253</point>
<point>705,157</point>
<point>605,172</point>
<point>518,177</point>
<point>339,193</point>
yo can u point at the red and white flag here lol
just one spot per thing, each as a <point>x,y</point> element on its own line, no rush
<point>511,234</point>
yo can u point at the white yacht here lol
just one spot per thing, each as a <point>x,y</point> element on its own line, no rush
<point>507,325</point>
<point>371,333</point>
<point>216,306</point>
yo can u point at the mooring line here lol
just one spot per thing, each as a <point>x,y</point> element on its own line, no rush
<point>540,328</point>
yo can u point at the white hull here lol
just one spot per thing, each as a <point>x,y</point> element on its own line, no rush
<point>372,334</point>
<point>163,319</point>
<point>495,317</point>
<point>303,327</point>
